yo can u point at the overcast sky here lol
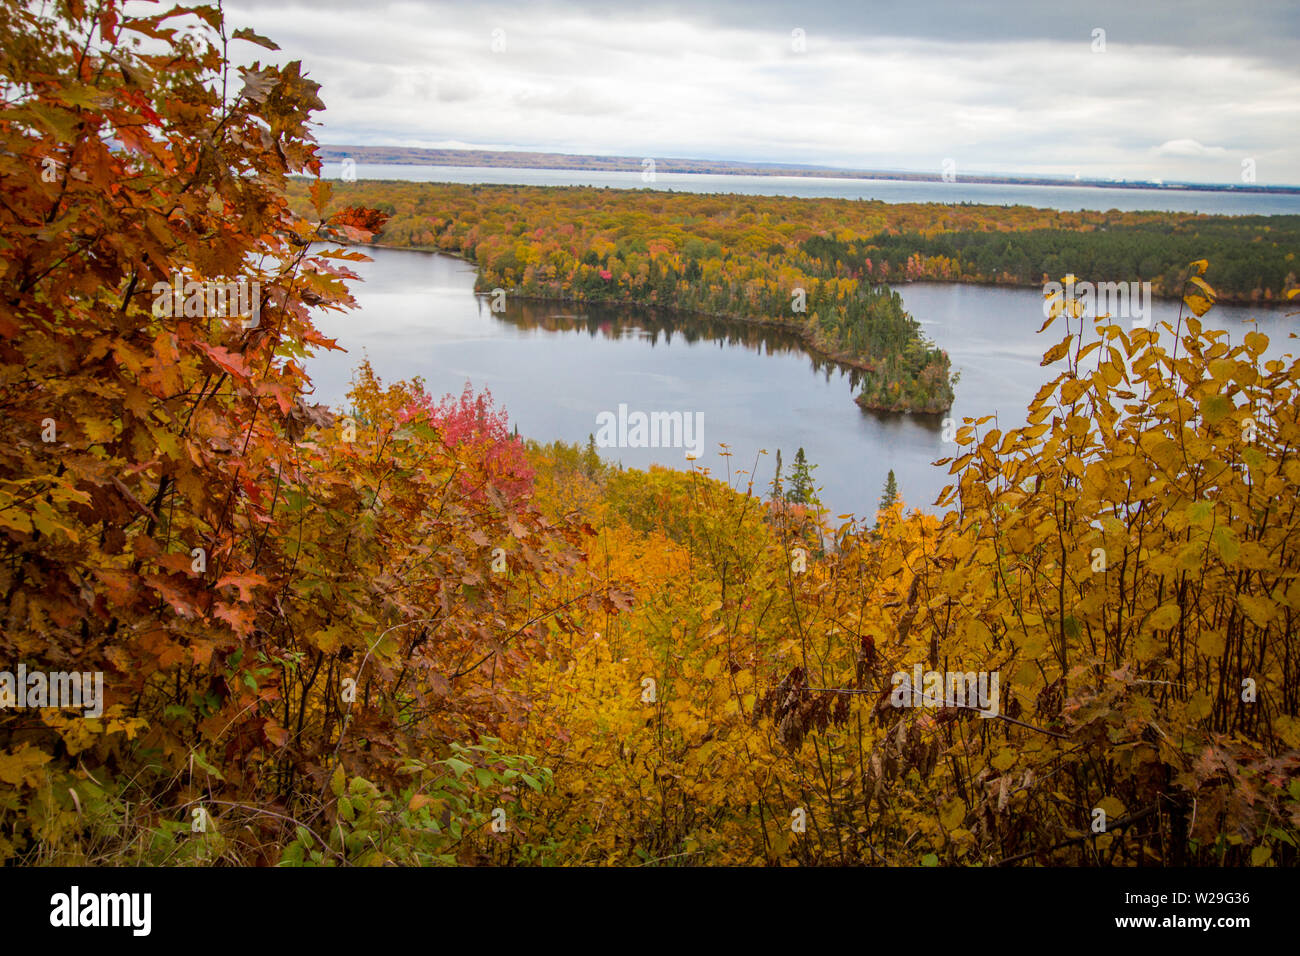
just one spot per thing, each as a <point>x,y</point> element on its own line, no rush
<point>1182,91</point>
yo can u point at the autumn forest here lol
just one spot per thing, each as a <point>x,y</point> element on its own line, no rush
<point>396,632</point>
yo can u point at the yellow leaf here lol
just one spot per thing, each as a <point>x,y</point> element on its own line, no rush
<point>1214,408</point>
<point>17,520</point>
<point>1204,287</point>
<point>22,765</point>
<point>1199,705</point>
<point>1072,389</point>
<point>1227,544</point>
<point>1256,342</point>
<point>1114,809</point>
<point>1288,729</point>
<point>1056,351</point>
<point>952,813</point>
<point>1212,643</point>
<point>1198,303</point>
<point>1260,610</point>
<point>1034,644</point>
<point>978,633</point>
<point>1164,618</point>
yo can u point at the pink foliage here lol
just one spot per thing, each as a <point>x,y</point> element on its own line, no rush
<point>473,424</point>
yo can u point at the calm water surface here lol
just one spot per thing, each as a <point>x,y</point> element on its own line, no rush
<point>555,367</point>
<point>1100,198</point>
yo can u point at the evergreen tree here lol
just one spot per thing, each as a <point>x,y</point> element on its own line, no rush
<point>801,484</point>
<point>777,490</point>
<point>590,457</point>
<point>891,492</point>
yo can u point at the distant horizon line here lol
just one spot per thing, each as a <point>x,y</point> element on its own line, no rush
<point>538,159</point>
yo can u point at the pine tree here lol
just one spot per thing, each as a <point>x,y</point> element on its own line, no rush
<point>801,484</point>
<point>777,490</point>
<point>891,492</point>
<point>590,457</point>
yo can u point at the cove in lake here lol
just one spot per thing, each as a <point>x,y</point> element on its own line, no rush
<point>555,367</point>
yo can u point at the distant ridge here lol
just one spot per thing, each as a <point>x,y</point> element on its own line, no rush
<point>507,159</point>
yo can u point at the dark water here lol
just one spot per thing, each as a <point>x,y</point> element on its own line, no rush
<point>556,367</point>
<point>1069,198</point>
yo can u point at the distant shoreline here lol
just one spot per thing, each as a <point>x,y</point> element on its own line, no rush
<point>489,159</point>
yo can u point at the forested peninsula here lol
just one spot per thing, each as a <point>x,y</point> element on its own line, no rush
<point>821,267</point>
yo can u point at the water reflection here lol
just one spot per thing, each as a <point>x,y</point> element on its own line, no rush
<point>655,327</point>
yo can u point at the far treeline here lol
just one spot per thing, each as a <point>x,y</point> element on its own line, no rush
<point>1254,256</point>
<point>746,257</point>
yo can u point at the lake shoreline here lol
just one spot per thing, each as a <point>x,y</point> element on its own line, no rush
<point>804,330</point>
<point>1278,304</point>
<point>758,386</point>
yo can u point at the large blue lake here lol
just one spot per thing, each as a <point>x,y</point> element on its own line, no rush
<point>887,190</point>
<point>556,368</point>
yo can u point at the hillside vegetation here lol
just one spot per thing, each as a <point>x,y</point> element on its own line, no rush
<point>392,633</point>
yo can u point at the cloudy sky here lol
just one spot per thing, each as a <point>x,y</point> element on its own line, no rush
<point>1177,91</point>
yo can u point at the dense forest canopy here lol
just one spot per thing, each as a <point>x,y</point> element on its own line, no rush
<point>1254,256</point>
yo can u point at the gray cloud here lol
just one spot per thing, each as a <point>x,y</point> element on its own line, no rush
<point>1182,91</point>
